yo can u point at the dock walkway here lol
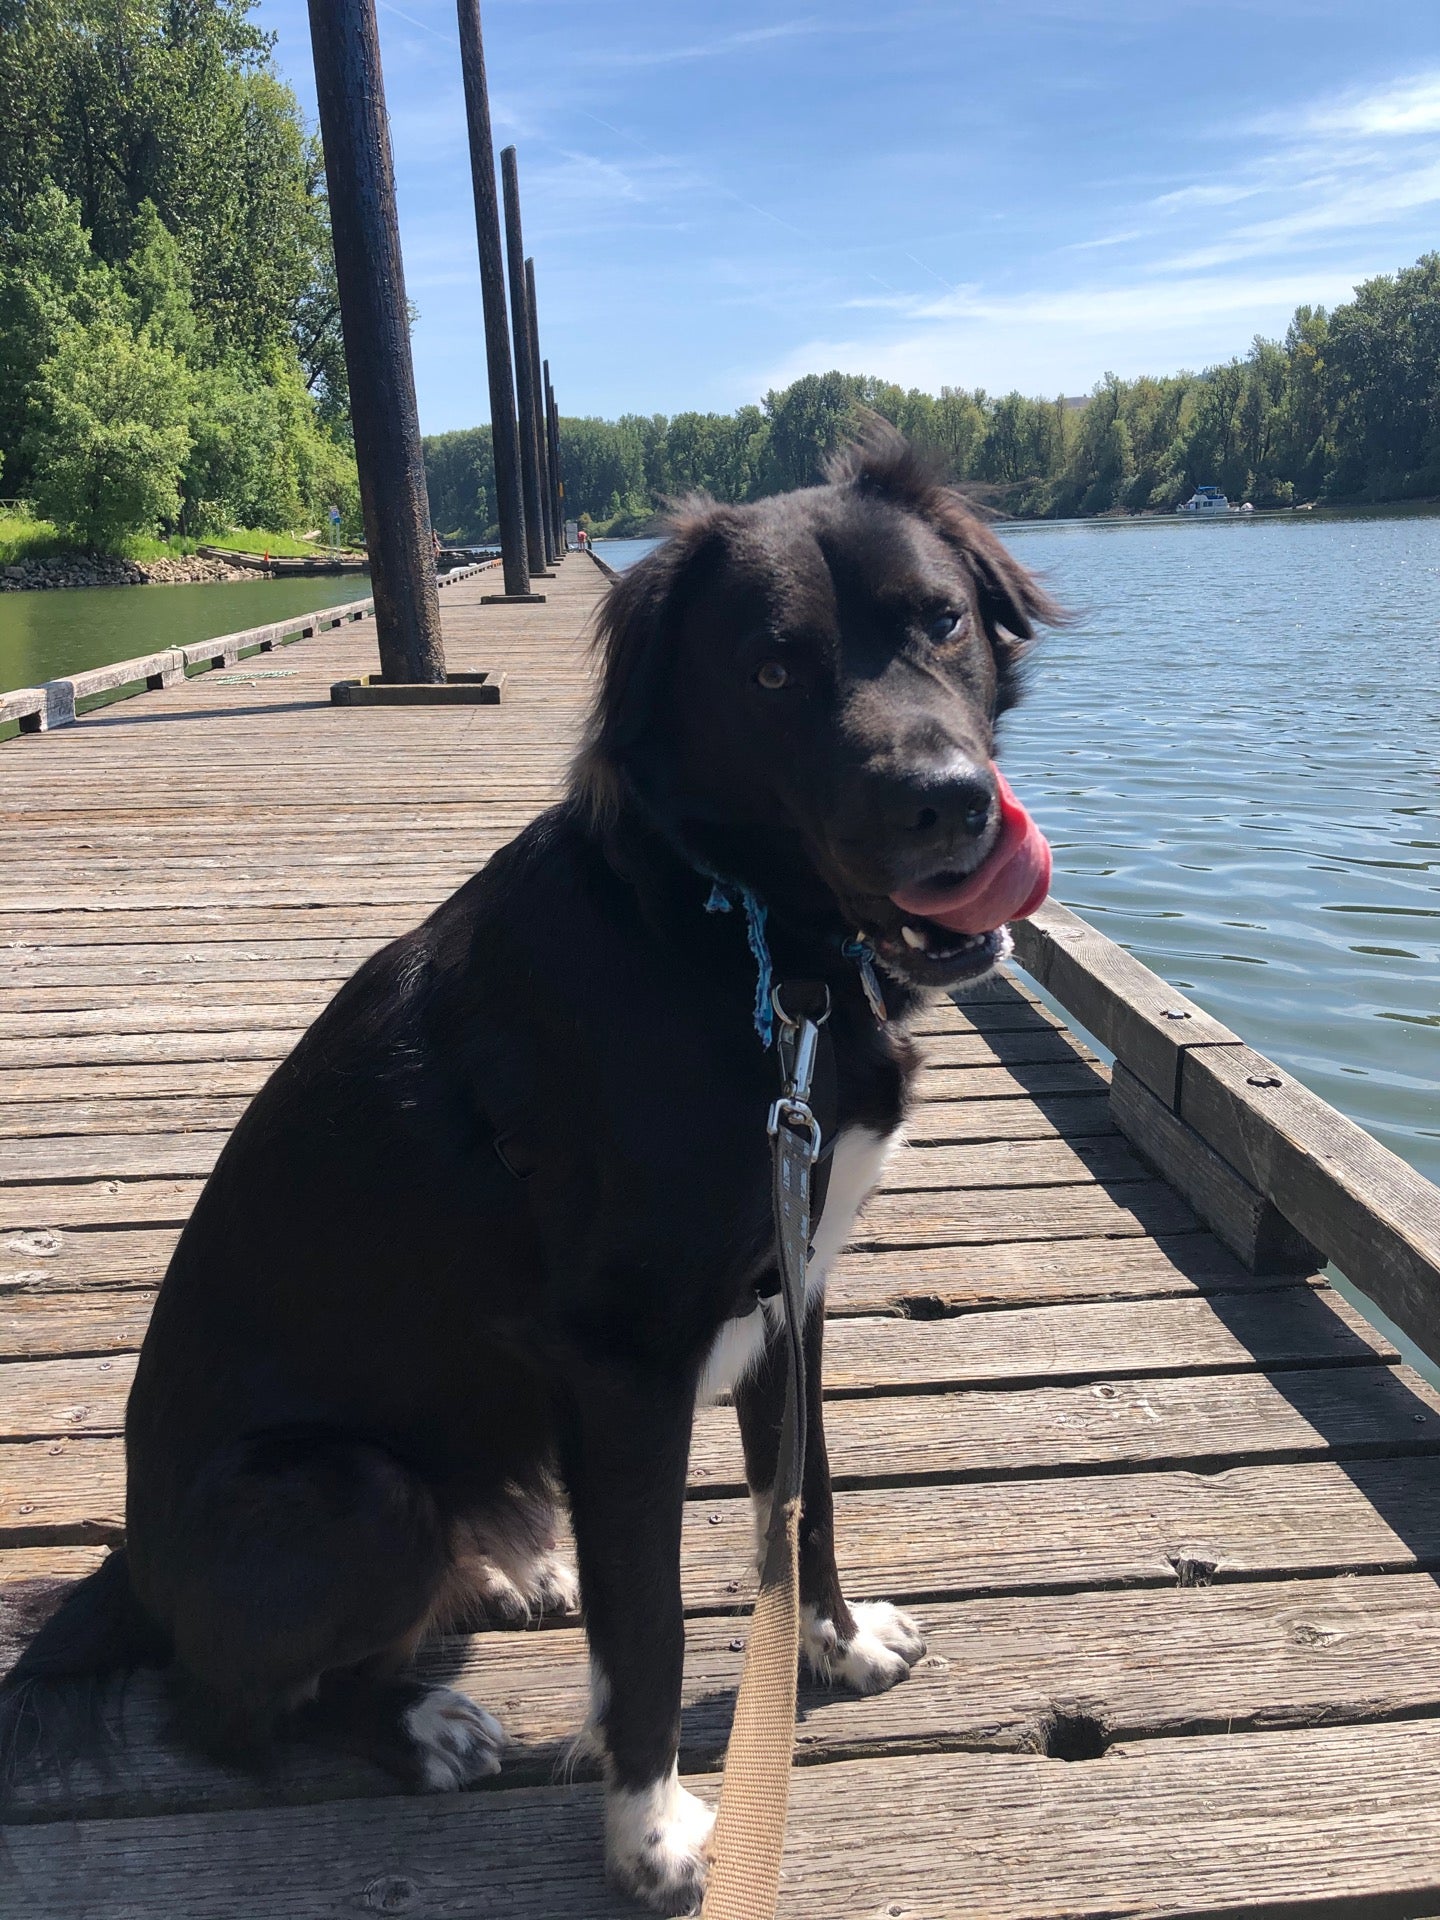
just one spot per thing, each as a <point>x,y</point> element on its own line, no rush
<point>1172,1526</point>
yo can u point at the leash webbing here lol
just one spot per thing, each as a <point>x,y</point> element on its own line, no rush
<point>749,1839</point>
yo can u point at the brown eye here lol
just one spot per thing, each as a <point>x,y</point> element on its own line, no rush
<point>772,676</point>
<point>945,626</point>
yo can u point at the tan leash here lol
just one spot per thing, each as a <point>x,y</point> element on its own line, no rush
<point>749,1839</point>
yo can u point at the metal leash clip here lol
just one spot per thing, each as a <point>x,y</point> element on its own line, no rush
<point>799,1037</point>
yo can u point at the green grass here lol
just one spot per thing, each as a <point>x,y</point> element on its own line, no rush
<point>137,546</point>
<point>22,538</point>
<point>284,546</point>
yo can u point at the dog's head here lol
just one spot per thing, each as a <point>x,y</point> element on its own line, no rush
<point>803,694</point>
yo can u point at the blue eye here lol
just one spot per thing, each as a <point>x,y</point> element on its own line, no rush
<point>946,625</point>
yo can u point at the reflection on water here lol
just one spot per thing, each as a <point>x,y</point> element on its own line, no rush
<point>1234,753</point>
<point>44,635</point>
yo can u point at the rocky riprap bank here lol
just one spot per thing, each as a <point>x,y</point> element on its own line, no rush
<point>78,570</point>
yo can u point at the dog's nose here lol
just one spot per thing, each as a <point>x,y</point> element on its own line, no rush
<point>946,810</point>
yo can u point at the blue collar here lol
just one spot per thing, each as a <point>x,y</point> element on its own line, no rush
<point>726,894</point>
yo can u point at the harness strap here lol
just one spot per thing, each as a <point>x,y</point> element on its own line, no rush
<point>749,1839</point>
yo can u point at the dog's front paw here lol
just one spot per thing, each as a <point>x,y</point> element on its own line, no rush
<point>455,1744</point>
<point>885,1646</point>
<point>656,1842</point>
<point>556,1587</point>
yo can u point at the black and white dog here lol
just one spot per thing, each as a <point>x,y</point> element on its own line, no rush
<point>505,1213</point>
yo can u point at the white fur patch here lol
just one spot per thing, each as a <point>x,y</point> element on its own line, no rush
<point>655,1844</point>
<point>886,1645</point>
<point>855,1167</point>
<point>736,1349</point>
<point>459,1742</point>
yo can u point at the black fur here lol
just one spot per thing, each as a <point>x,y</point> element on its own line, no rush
<point>473,1241</point>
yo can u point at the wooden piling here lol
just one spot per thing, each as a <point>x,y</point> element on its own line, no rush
<point>537,387</point>
<point>360,180</point>
<point>509,496</point>
<point>535,541</point>
<point>552,448</point>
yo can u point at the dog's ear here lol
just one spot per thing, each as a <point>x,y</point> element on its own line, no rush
<point>1012,601</point>
<point>881,463</point>
<point>633,634</point>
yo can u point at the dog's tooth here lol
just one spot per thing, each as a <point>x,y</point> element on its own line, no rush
<point>913,937</point>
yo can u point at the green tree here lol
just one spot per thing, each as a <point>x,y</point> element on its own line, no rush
<point>110,437</point>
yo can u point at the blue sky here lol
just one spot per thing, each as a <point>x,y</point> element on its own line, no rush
<point>997,193</point>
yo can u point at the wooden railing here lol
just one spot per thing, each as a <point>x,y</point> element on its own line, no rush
<point>1277,1174</point>
<point>56,703</point>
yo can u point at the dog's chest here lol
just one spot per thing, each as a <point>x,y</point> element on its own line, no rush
<point>855,1167</point>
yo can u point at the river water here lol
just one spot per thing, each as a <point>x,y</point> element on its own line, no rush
<point>43,635</point>
<point>1234,753</point>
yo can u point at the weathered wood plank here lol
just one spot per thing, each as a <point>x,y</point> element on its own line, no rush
<point>75,1139</point>
<point>1293,1327</point>
<point>1144,1021</point>
<point>1374,1216</point>
<point>46,1258</point>
<point>146,1049</point>
<point>924,1281</point>
<point>1160,1828</point>
<point>927,1283</point>
<point>127,1156</point>
<point>998,1083</point>
<point>1243,1219</point>
<point>111,1116</point>
<point>51,1326</point>
<point>227,1036</point>
<point>922,1218</point>
<point>999,1676</point>
<point>1140,1208</point>
<point>100,1203</point>
<point>1051,1534</point>
<point>1209,1424</point>
<point>996,1162</point>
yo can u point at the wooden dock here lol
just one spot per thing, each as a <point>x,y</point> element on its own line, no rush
<point>1172,1525</point>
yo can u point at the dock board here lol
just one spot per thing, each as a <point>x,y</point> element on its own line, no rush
<point>1172,1526</point>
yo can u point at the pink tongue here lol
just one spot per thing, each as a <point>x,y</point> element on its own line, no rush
<point>1009,883</point>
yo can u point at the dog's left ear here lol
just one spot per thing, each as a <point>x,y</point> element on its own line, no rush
<point>1012,601</point>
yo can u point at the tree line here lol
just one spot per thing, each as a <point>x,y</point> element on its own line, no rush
<point>1345,407</point>
<point>170,348</point>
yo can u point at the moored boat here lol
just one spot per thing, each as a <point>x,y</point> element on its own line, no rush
<point>1205,500</point>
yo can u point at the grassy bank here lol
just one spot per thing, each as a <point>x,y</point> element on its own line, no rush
<point>23,537</point>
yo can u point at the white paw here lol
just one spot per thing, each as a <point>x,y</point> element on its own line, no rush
<point>655,1844</point>
<point>456,1742</point>
<point>519,1595</point>
<point>886,1644</point>
<point>556,1587</point>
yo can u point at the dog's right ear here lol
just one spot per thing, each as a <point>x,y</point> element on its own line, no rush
<point>634,634</point>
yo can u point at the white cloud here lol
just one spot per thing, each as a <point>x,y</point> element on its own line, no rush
<point>1407,107</point>
<point>1060,340</point>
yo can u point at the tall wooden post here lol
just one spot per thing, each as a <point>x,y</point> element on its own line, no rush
<point>535,542</point>
<point>509,497</point>
<point>552,444</point>
<point>360,179</point>
<point>542,458</point>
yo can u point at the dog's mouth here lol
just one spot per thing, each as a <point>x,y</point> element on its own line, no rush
<point>952,925</point>
<point>925,954</point>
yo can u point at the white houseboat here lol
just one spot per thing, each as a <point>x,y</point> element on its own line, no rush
<point>1205,500</point>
